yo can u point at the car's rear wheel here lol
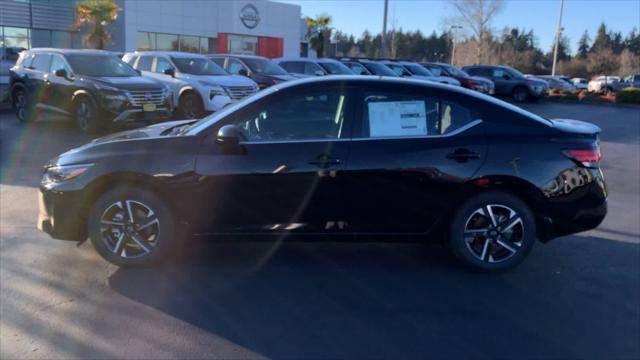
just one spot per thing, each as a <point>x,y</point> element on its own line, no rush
<point>191,106</point>
<point>131,226</point>
<point>492,231</point>
<point>86,116</point>
<point>21,105</point>
<point>520,94</point>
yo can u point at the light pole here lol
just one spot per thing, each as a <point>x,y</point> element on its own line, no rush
<point>555,46</point>
<point>384,31</point>
<point>455,29</point>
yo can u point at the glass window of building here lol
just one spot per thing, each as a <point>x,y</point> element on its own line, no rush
<point>239,44</point>
<point>167,42</point>
<point>146,40</point>
<point>14,37</point>
<point>61,39</point>
<point>190,44</point>
<point>208,45</point>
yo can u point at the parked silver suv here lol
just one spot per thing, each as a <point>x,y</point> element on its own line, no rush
<point>200,85</point>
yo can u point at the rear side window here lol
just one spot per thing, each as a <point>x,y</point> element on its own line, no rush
<point>41,62</point>
<point>312,69</point>
<point>393,114</point>
<point>130,59</point>
<point>219,61</point>
<point>145,63</point>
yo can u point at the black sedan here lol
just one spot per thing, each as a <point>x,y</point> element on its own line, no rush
<point>335,154</point>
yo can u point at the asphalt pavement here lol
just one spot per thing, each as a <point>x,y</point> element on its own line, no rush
<point>576,297</point>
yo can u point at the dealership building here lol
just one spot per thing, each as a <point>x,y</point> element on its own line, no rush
<point>259,27</point>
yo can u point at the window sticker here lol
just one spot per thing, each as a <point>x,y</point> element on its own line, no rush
<point>397,118</point>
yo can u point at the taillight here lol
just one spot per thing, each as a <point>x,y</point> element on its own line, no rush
<point>587,157</point>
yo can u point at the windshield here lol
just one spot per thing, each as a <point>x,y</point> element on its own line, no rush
<point>516,73</point>
<point>197,66</point>
<point>455,71</point>
<point>398,69</point>
<point>263,66</point>
<point>418,70</point>
<point>100,65</point>
<point>379,69</point>
<point>336,68</point>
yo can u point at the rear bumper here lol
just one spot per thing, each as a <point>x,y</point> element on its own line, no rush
<point>574,209</point>
<point>60,215</point>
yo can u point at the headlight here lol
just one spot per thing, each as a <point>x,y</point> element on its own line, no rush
<point>57,174</point>
<point>217,90</point>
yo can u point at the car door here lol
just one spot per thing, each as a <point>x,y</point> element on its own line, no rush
<point>60,88</point>
<point>503,81</point>
<point>34,78</point>
<point>288,169</point>
<point>412,152</point>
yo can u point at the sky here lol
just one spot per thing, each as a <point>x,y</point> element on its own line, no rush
<point>355,16</point>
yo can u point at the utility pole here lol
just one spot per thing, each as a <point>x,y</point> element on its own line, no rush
<point>558,33</point>
<point>384,30</point>
<point>455,29</point>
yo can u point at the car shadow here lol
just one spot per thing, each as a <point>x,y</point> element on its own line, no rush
<point>290,299</point>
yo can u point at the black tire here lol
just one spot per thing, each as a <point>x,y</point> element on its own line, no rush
<point>520,94</point>
<point>156,230</point>
<point>190,106</point>
<point>85,115</point>
<point>22,105</point>
<point>484,250</point>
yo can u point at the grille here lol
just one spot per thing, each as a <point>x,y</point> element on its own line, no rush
<point>238,92</point>
<point>139,98</point>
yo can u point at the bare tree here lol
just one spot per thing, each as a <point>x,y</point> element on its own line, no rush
<point>477,16</point>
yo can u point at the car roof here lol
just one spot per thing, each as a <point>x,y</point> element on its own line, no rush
<point>177,54</point>
<point>73,51</point>
<point>239,56</point>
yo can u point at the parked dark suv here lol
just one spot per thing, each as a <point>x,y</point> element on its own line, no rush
<point>359,154</point>
<point>94,87</point>
<point>476,83</point>
<point>260,69</point>
<point>510,82</point>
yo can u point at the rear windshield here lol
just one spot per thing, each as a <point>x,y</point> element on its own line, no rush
<point>197,66</point>
<point>100,65</point>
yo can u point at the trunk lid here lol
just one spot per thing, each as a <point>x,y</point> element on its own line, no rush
<point>575,126</point>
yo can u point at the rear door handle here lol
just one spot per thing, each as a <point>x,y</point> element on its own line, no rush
<point>462,155</point>
<point>325,161</point>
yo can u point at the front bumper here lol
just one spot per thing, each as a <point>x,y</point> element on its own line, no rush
<point>136,115</point>
<point>61,215</point>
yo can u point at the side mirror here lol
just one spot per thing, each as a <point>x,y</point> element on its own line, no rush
<point>230,136</point>
<point>61,73</point>
<point>170,72</point>
<point>319,73</point>
<point>243,72</point>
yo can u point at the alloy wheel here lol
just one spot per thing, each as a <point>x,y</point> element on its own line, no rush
<point>520,95</point>
<point>20,104</point>
<point>494,233</point>
<point>83,115</point>
<point>188,108</point>
<point>129,229</point>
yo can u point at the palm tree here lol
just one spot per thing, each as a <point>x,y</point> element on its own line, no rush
<point>317,31</point>
<point>97,14</point>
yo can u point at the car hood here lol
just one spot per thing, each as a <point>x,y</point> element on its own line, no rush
<point>282,77</point>
<point>155,130</point>
<point>575,126</point>
<point>126,83</point>
<point>221,80</point>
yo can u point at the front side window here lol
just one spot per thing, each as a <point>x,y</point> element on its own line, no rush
<point>379,69</point>
<point>358,69</point>
<point>312,69</point>
<point>399,70</point>
<point>435,70</point>
<point>335,68</point>
<point>266,67</point>
<point>162,65</point>
<point>418,70</point>
<point>235,66</point>
<point>100,65</point>
<point>197,66</point>
<point>296,67</point>
<point>58,63</point>
<point>313,115</point>
<point>219,61</point>
<point>393,114</point>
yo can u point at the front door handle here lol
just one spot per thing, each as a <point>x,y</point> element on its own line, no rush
<point>325,161</point>
<point>462,155</point>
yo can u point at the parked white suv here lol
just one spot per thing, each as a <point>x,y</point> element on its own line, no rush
<point>199,84</point>
<point>604,84</point>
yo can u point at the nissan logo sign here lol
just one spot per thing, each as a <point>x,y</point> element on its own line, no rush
<point>249,16</point>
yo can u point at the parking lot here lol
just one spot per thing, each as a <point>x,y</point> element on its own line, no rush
<point>576,297</point>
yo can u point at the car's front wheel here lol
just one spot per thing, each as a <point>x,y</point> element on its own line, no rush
<point>190,106</point>
<point>520,94</point>
<point>21,105</point>
<point>86,116</point>
<point>131,226</point>
<point>492,231</point>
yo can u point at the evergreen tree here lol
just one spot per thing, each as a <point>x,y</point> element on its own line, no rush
<point>583,45</point>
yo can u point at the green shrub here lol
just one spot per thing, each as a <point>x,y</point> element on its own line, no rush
<point>629,95</point>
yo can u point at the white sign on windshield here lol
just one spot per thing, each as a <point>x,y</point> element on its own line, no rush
<point>397,118</point>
